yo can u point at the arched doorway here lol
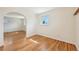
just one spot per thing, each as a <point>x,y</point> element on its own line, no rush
<point>14,30</point>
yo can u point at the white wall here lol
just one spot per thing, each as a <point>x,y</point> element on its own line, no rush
<point>77,30</point>
<point>1,29</point>
<point>29,16</point>
<point>61,25</point>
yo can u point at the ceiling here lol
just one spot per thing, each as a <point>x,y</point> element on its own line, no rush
<point>38,10</point>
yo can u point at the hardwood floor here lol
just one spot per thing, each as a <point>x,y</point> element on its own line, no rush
<point>16,41</point>
<point>1,48</point>
<point>45,43</point>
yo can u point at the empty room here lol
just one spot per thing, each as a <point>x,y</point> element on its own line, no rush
<point>39,28</point>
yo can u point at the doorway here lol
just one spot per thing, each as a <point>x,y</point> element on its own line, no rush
<point>14,31</point>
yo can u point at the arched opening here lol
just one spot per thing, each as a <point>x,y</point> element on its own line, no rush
<point>14,30</point>
<point>14,22</point>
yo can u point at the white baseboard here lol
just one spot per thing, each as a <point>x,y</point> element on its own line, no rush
<point>71,42</point>
<point>77,46</point>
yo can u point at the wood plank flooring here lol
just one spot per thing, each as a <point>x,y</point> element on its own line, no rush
<point>1,48</point>
<point>17,41</point>
<point>49,44</point>
<point>14,40</point>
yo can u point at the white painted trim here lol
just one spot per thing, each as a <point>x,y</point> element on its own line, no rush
<point>77,46</point>
<point>58,39</point>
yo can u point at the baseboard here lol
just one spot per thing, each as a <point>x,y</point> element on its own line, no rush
<point>57,39</point>
<point>77,46</point>
<point>31,36</point>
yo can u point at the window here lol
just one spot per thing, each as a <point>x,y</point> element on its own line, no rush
<point>44,20</point>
